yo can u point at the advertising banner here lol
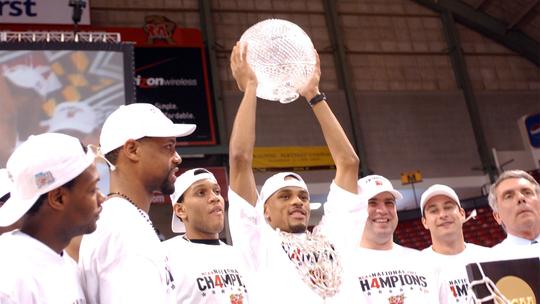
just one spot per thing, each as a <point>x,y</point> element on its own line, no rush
<point>172,80</point>
<point>40,12</point>
<point>532,124</point>
<point>170,73</point>
<point>295,158</point>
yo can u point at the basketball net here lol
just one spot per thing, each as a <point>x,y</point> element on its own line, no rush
<point>315,260</point>
<point>495,294</point>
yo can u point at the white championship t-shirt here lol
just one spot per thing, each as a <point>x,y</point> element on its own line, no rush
<point>274,277</point>
<point>392,276</point>
<point>453,268</point>
<point>205,273</point>
<point>32,273</point>
<point>123,260</point>
<point>376,276</point>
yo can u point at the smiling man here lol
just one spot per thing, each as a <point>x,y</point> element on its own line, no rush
<point>270,227</point>
<point>515,200</point>
<point>217,275</point>
<point>443,216</point>
<point>381,270</point>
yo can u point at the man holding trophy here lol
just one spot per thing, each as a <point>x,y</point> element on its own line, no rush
<point>288,264</point>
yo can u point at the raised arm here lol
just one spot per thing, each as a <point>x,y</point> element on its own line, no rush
<point>343,153</point>
<point>242,142</point>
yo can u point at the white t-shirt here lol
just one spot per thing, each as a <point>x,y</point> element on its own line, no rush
<point>274,277</point>
<point>376,276</point>
<point>32,273</point>
<point>397,275</point>
<point>453,268</point>
<point>123,260</point>
<point>206,274</point>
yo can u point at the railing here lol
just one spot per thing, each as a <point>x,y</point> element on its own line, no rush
<point>46,36</point>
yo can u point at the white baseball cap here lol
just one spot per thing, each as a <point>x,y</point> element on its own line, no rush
<point>276,182</point>
<point>135,121</point>
<point>182,183</point>
<point>5,182</point>
<point>371,185</point>
<point>77,116</point>
<point>40,164</point>
<point>435,190</point>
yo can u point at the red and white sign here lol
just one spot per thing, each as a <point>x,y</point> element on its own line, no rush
<point>40,12</point>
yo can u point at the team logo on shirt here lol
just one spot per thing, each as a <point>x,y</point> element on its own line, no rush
<point>237,299</point>
<point>400,299</point>
<point>392,282</point>
<point>220,279</point>
<point>459,288</point>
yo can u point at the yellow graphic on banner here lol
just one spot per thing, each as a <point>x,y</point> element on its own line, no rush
<point>298,158</point>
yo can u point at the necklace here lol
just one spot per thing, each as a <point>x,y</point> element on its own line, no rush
<point>141,212</point>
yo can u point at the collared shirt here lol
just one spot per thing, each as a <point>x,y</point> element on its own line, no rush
<point>516,240</point>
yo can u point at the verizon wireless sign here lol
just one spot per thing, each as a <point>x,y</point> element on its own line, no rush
<point>40,12</point>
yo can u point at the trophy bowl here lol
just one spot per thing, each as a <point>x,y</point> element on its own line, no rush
<point>282,56</point>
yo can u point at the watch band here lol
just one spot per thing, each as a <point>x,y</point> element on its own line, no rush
<point>317,98</point>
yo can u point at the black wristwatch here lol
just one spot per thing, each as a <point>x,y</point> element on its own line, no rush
<point>317,98</point>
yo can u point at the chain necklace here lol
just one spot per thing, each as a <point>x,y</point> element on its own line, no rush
<point>141,212</point>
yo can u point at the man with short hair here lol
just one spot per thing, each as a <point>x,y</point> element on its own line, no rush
<point>379,270</point>
<point>270,227</point>
<point>123,261</point>
<point>443,216</point>
<point>199,212</point>
<point>55,190</point>
<point>515,201</point>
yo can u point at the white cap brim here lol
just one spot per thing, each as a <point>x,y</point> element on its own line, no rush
<point>177,130</point>
<point>14,209</point>
<point>5,182</point>
<point>366,196</point>
<point>176,225</point>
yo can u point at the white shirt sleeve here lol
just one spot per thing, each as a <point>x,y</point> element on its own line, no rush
<point>344,217</point>
<point>244,227</point>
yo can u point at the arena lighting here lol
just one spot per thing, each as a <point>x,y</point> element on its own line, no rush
<point>56,36</point>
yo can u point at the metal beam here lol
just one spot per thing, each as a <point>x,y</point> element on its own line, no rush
<point>488,26</point>
<point>522,15</point>
<point>330,13</point>
<point>207,30</point>
<point>462,77</point>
